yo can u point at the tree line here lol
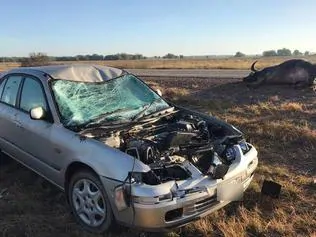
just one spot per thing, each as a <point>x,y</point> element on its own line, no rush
<point>41,57</point>
<point>279,52</point>
<point>88,57</point>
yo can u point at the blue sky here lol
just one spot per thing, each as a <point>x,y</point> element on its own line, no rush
<point>189,27</point>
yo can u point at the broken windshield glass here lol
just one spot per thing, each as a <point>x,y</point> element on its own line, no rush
<point>116,100</point>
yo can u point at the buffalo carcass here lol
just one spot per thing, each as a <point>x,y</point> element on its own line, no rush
<point>297,72</point>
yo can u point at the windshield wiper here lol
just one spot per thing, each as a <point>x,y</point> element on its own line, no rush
<point>143,111</point>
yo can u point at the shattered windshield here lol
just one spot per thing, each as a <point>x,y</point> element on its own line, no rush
<point>119,100</point>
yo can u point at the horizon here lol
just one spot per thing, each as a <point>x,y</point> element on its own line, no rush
<point>200,28</point>
<point>161,56</point>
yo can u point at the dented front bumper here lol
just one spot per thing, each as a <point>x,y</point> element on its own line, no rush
<point>201,199</point>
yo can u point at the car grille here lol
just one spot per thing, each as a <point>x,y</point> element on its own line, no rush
<point>200,205</point>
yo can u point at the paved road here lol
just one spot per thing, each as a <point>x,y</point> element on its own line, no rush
<point>201,73</point>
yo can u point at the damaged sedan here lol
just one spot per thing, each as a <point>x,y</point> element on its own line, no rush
<point>119,151</point>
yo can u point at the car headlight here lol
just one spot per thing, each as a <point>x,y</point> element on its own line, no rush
<point>147,178</point>
<point>230,154</point>
<point>153,200</point>
<point>244,146</point>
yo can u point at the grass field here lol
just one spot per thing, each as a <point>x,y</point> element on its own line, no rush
<point>214,63</point>
<point>281,123</point>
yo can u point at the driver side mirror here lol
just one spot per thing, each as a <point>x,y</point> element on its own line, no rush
<point>158,91</point>
<point>37,113</point>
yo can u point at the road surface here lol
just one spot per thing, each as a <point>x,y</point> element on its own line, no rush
<point>191,73</point>
<point>201,73</point>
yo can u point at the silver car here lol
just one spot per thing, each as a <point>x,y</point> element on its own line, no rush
<point>118,150</point>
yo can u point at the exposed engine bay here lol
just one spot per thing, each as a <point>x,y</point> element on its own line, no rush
<point>164,143</point>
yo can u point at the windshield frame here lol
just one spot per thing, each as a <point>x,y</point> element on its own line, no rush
<point>52,80</point>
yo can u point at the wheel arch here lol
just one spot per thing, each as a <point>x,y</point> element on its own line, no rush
<point>72,169</point>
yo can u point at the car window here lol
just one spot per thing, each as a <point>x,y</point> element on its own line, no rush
<point>10,90</point>
<point>32,95</point>
<point>2,85</point>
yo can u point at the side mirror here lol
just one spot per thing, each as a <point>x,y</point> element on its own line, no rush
<point>37,113</point>
<point>158,91</point>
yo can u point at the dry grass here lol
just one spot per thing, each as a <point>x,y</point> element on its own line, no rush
<point>281,124</point>
<point>213,63</point>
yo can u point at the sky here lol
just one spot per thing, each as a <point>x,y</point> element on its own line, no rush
<point>155,27</point>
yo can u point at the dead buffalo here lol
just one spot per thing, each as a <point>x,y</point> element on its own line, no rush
<point>296,72</point>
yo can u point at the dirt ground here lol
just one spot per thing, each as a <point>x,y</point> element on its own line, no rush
<point>279,120</point>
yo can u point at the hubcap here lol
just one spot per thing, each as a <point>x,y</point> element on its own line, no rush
<point>88,202</point>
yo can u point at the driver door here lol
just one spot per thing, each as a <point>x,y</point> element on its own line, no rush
<point>35,135</point>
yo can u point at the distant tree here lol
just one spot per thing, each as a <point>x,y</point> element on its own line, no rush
<point>239,54</point>
<point>170,56</point>
<point>296,52</point>
<point>22,59</point>
<point>307,53</point>
<point>82,57</point>
<point>284,52</point>
<point>38,59</point>
<point>137,56</point>
<point>123,56</point>
<point>8,59</point>
<point>111,57</point>
<point>66,58</point>
<point>35,59</point>
<point>95,57</point>
<point>269,53</point>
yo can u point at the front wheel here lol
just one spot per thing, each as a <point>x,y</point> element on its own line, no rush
<point>89,202</point>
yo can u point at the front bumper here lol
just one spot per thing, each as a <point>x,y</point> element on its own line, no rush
<point>182,210</point>
<point>178,212</point>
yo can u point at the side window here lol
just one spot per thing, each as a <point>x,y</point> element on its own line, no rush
<point>32,95</point>
<point>10,90</point>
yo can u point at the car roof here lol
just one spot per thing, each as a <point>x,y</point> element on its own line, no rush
<point>73,72</point>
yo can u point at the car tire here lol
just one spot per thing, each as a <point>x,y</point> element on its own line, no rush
<point>89,202</point>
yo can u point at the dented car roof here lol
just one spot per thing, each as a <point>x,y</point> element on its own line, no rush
<point>73,72</point>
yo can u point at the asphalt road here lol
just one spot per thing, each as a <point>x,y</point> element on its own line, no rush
<point>190,73</point>
<point>200,73</point>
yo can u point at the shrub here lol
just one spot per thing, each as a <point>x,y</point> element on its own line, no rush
<point>284,52</point>
<point>269,53</point>
<point>240,54</point>
<point>35,59</point>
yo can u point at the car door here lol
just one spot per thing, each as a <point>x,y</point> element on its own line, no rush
<point>35,135</point>
<point>9,126</point>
